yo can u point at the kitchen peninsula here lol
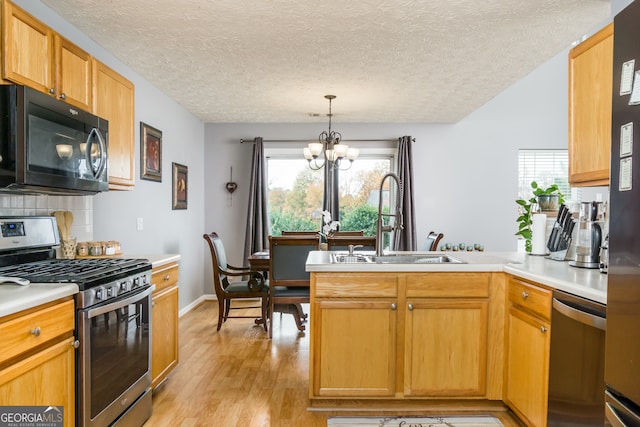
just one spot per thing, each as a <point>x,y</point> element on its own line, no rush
<point>434,333</point>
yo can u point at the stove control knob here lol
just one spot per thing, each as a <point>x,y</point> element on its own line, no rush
<point>136,282</point>
<point>99,294</point>
<point>109,292</point>
<point>123,286</point>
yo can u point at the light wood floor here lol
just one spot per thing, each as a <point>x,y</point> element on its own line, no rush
<point>238,377</point>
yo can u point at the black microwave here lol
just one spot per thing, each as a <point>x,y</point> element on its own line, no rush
<point>48,146</point>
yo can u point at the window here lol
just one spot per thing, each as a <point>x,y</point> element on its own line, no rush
<point>359,193</point>
<point>295,192</point>
<point>546,167</point>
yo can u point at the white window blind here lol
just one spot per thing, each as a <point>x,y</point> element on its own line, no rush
<point>546,167</point>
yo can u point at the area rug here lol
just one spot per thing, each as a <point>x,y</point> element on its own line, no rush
<point>412,421</point>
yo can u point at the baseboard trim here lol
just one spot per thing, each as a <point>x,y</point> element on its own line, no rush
<point>202,299</point>
<point>406,407</point>
<point>197,302</point>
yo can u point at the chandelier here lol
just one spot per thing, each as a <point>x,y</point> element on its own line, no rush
<point>329,145</point>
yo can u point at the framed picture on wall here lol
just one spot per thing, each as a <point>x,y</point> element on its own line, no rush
<point>180,186</point>
<point>150,153</point>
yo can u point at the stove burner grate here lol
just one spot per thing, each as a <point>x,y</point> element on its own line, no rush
<point>85,272</point>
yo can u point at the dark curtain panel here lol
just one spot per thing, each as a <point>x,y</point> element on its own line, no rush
<point>407,240</point>
<point>330,201</point>
<point>257,235</point>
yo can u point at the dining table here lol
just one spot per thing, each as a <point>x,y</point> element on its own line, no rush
<point>259,262</point>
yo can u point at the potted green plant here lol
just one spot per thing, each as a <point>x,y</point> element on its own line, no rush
<point>543,199</point>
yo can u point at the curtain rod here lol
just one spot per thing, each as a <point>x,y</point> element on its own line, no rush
<point>242,140</point>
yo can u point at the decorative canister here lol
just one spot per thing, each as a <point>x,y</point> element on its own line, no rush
<point>95,249</point>
<point>110,248</point>
<point>83,248</point>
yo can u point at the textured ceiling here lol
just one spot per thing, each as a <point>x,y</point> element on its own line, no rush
<point>420,61</point>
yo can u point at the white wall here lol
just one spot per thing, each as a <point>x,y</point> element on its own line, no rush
<point>465,173</point>
<point>115,212</point>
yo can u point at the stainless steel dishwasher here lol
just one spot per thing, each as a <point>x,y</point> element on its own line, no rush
<point>576,364</point>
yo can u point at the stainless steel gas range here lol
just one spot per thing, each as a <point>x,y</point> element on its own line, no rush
<point>113,319</point>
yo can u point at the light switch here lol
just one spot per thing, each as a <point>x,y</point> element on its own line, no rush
<point>139,224</point>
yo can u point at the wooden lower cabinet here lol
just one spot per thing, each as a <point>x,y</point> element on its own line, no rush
<point>37,366</point>
<point>164,340</point>
<point>356,351</point>
<point>446,348</point>
<point>527,352</point>
<point>397,335</point>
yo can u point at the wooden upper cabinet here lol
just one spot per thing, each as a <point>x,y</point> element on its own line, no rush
<point>35,56</point>
<point>27,49</point>
<point>113,99</point>
<point>73,74</point>
<point>590,86</point>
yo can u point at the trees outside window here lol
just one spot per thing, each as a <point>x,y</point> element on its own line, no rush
<point>295,194</point>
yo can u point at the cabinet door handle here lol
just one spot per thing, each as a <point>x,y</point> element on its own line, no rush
<point>525,295</point>
<point>410,307</point>
<point>75,344</point>
<point>52,91</point>
<point>36,331</point>
<point>167,277</point>
<point>543,329</point>
<point>393,306</point>
<point>63,96</point>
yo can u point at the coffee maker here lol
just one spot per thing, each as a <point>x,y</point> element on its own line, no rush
<point>589,237</point>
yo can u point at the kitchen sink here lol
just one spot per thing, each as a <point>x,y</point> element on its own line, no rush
<point>350,259</point>
<point>395,259</point>
<point>415,259</point>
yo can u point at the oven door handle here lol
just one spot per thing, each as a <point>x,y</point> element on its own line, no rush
<point>120,303</point>
<point>579,315</point>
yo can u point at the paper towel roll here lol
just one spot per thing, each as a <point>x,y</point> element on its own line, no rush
<point>539,234</point>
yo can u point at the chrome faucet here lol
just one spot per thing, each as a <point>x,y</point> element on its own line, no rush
<point>397,224</point>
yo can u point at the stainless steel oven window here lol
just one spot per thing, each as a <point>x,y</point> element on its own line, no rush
<point>115,357</point>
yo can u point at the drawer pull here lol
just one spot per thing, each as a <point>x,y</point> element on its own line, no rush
<point>410,307</point>
<point>75,344</point>
<point>36,332</point>
<point>525,295</point>
<point>543,329</point>
<point>393,306</point>
<point>167,277</point>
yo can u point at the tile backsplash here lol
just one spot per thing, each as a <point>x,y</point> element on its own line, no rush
<point>42,204</point>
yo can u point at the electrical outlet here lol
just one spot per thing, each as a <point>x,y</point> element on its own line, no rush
<point>139,224</point>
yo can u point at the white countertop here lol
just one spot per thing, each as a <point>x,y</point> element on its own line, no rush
<point>583,282</point>
<point>155,259</point>
<point>15,298</point>
<point>587,283</point>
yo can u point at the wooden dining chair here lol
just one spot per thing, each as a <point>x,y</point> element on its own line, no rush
<point>299,233</point>
<point>226,291</point>
<point>432,240</point>
<point>335,233</point>
<point>288,280</point>
<point>348,233</point>
<point>341,243</point>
